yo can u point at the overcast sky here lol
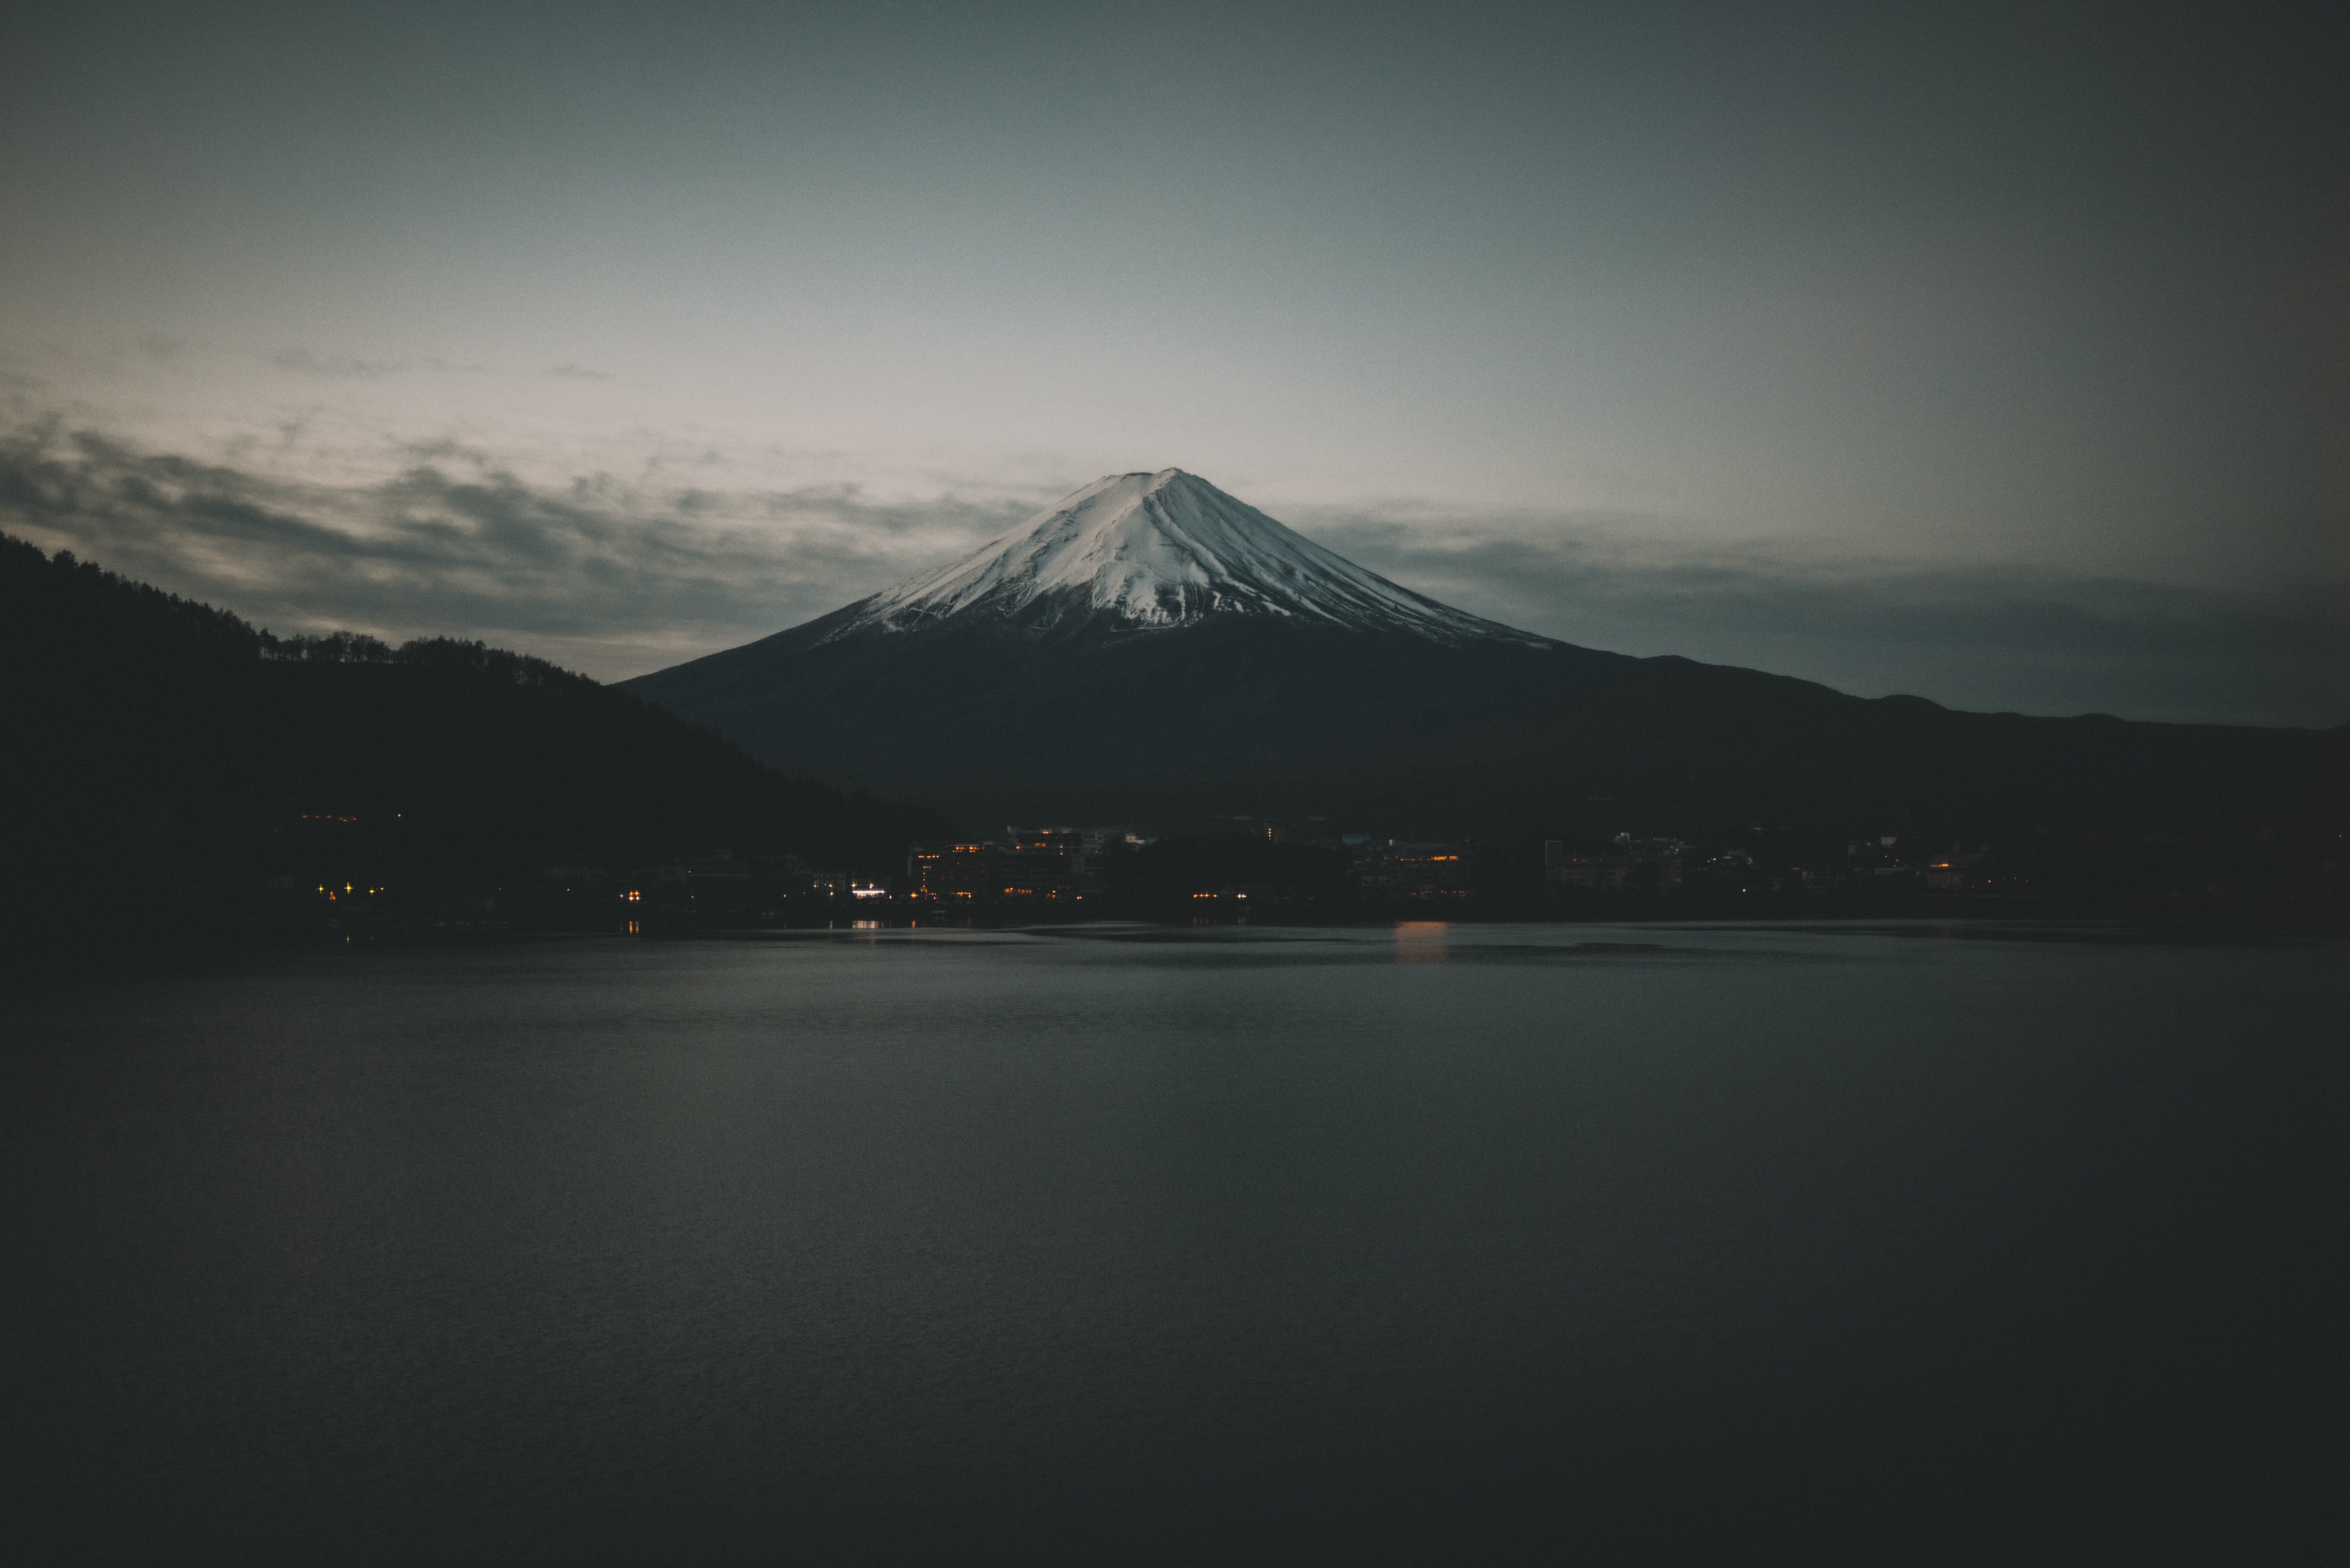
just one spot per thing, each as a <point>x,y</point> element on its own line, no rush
<point>2002,357</point>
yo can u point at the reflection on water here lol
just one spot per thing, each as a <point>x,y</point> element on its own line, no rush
<point>1421,941</point>
<point>1188,1244</point>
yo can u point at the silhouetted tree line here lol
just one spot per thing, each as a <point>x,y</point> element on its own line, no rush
<point>1913,865</point>
<point>166,759</point>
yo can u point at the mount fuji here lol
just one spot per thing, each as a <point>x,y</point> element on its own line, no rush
<point>1152,649</point>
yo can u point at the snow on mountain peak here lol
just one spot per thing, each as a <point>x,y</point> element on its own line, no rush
<point>1157,550</point>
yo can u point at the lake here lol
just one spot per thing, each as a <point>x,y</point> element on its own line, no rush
<point>1427,1243</point>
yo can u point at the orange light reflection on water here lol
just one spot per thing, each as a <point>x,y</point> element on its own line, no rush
<point>1421,941</point>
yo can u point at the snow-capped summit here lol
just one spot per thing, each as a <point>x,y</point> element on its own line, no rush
<point>1158,550</point>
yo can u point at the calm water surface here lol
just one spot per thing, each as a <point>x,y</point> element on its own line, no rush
<point>1434,1244</point>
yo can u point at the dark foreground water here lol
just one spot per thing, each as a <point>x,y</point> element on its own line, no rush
<point>1424,1245</point>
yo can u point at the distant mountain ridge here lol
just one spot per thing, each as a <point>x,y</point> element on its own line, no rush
<point>1151,649</point>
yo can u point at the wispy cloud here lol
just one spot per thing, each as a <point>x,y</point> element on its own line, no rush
<point>619,577</point>
<point>607,576</point>
<point>353,367</point>
<point>310,362</point>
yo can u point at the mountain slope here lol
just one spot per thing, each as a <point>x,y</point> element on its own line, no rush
<point>153,741</point>
<point>1152,649</point>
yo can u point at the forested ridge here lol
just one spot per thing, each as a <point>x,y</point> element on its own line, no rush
<point>167,759</point>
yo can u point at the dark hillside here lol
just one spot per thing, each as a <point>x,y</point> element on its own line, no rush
<point>166,760</point>
<point>1240,715</point>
